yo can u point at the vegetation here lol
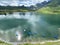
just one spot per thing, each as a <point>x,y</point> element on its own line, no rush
<point>4,43</point>
<point>12,9</point>
<point>22,8</point>
<point>49,10</point>
<point>47,43</point>
<point>52,8</point>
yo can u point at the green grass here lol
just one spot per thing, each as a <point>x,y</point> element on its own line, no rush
<point>4,43</point>
<point>11,11</point>
<point>47,43</point>
<point>16,10</point>
<point>49,10</point>
<point>52,43</point>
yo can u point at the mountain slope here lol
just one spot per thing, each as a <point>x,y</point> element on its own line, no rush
<point>54,3</point>
<point>19,2</point>
<point>52,8</point>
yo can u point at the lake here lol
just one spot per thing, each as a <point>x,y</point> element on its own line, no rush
<point>29,26</point>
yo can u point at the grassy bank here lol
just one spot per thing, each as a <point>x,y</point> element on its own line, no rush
<point>16,10</point>
<point>47,43</point>
<point>11,11</point>
<point>49,10</point>
<point>4,43</point>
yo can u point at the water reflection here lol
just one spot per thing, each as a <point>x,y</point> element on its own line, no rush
<point>23,26</point>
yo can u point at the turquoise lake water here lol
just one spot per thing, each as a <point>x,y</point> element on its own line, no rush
<point>31,26</point>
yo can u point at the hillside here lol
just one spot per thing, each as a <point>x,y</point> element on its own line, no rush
<point>52,8</point>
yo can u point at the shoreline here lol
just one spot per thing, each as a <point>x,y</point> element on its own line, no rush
<point>43,42</point>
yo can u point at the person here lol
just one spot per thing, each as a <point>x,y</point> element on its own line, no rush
<point>56,36</point>
<point>5,14</point>
<point>18,35</point>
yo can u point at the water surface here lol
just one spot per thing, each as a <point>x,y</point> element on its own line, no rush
<point>29,26</point>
